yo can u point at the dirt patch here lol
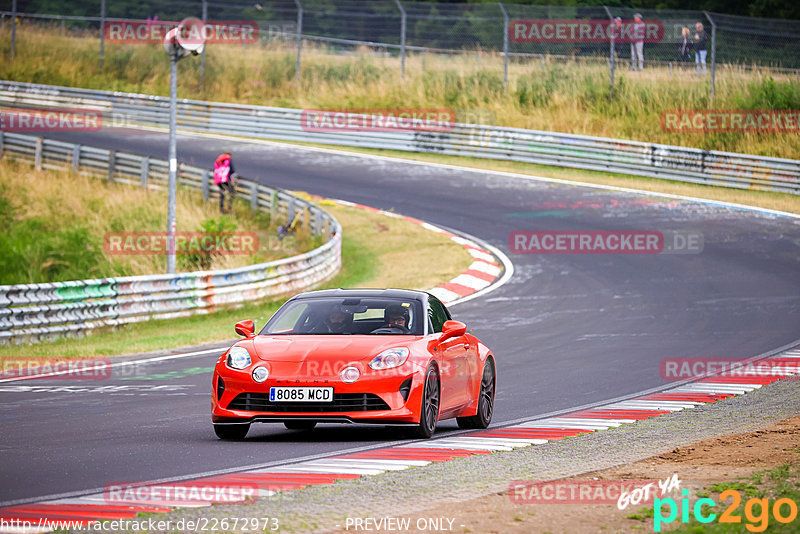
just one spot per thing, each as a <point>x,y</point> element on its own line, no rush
<point>727,459</point>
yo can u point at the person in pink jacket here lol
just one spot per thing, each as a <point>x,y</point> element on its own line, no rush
<point>224,179</point>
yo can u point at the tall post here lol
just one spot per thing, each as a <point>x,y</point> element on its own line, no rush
<point>505,43</point>
<point>402,38</point>
<point>299,42</point>
<point>612,52</point>
<point>102,31</point>
<point>203,54</point>
<point>13,28</point>
<point>173,162</point>
<point>713,54</point>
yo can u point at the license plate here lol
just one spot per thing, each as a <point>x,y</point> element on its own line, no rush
<point>300,394</point>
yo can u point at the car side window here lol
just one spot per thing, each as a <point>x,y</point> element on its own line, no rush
<point>438,314</point>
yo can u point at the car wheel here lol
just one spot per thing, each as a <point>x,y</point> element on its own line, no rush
<point>233,432</point>
<point>485,401</point>
<point>429,409</point>
<point>300,425</point>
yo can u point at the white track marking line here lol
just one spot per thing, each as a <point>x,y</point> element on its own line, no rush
<point>379,461</point>
<point>302,468</point>
<point>340,465</point>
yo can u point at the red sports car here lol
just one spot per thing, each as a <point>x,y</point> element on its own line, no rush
<point>392,357</point>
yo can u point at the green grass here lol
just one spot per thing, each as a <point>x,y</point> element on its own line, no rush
<point>369,242</point>
<point>562,96</point>
<point>641,514</point>
<point>54,225</point>
<point>777,483</point>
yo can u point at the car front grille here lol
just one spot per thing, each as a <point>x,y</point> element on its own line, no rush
<point>342,402</point>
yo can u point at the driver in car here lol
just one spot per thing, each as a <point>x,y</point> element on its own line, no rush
<point>397,317</point>
<point>338,321</point>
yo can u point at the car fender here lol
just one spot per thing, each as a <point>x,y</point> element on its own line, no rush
<point>483,352</point>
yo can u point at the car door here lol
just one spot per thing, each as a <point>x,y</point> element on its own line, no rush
<point>453,359</point>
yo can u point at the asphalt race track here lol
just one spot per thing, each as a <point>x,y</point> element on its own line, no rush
<point>567,329</point>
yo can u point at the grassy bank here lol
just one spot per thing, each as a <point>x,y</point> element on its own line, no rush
<point>370,258</point>
<point>556,96</point>
<point>54,225</point>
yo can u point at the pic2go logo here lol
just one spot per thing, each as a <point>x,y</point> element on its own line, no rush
<point>756,511</point>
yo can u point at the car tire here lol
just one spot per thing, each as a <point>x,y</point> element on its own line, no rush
<point>485,400</point>
<point>429,407</point>
<point>300,425</point>
<point>235,432</point>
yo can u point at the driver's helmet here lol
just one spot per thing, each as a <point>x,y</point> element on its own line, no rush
<point>396,316</point>
<point>338,319</point>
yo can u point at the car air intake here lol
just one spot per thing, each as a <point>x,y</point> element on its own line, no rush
<point>342,402</point>
<point>220,387</point>
<point>405,388</point>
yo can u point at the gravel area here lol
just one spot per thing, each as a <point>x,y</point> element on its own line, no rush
<point>325,508</point>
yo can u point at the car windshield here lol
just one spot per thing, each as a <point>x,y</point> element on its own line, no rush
<point>347,316</point>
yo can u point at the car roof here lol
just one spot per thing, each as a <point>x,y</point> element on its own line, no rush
<point>408,294</point>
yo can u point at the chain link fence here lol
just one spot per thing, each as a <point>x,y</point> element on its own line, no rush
<point>491,35</point>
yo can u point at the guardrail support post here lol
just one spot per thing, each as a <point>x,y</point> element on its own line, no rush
<point>1,143</point>
<point>144,173</point>
<point>299,42</point>
<point>76,158</point>
<point>505,44</point>
<point>290,210</point>
<point>402,38</point>
<point>273,207</point>
<point>112,162</point>
<point>254,196</point>
<point>205,184</point>
<point>102,31</point>
<point>13,28</point>
<point>37,157</point>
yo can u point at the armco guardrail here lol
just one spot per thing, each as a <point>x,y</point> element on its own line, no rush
<point>546,148</point>
<point>30,312</point>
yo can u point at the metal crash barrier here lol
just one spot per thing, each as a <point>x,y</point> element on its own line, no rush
<point>31,312</point>
<point>513,144</point>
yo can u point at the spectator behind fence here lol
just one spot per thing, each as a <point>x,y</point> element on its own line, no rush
<point>685,49</point>
<point>637,45</point>
<point>224,178</point>
<point>700,41</point>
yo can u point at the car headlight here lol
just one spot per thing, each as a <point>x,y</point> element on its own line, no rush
<point>349,374</point>
<point>260,373</point>
<point>389,359</point>
<point>238,358</point>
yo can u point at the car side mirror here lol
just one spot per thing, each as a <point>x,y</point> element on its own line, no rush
<point>452,329</point>
<point>245,328</point>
